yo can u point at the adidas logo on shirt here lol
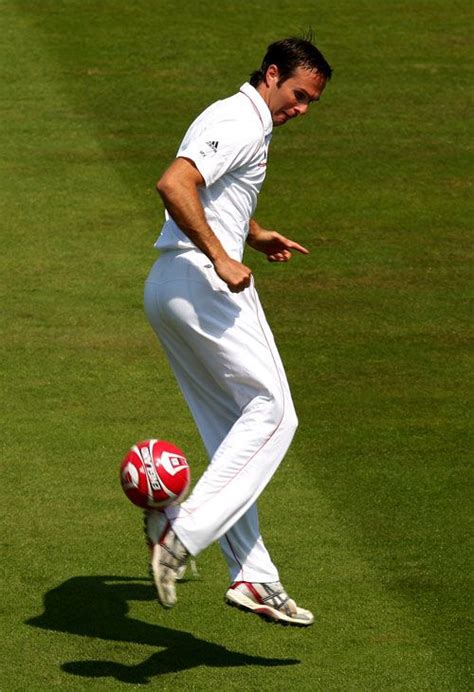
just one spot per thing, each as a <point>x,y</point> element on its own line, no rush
<point>213,145</point>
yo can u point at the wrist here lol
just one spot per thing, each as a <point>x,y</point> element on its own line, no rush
<point>217,255</point>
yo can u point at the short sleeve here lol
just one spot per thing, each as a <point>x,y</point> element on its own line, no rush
<point>220,147</point>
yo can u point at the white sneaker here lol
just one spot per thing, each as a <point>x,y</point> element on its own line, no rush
<point>168,558</point>
<point>155,523</point>
<point>270,601</point>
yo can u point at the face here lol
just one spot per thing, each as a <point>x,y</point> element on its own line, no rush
<point>293,96</point>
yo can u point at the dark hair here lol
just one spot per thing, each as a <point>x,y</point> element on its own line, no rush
<point>289,54</point>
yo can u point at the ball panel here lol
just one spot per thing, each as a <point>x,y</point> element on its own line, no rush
<point>133,478</point>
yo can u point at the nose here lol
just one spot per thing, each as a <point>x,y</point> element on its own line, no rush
<point>301,108</point>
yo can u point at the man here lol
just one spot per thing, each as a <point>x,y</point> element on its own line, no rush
<point>201,301</point>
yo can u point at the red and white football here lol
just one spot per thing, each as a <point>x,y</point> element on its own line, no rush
<point>155,474</point>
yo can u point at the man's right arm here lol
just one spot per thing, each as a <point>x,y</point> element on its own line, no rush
<point>178,188</point>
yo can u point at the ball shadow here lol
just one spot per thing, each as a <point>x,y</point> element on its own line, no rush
<point>98,607</point>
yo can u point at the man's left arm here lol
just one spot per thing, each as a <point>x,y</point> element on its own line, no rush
<point>275,246</point>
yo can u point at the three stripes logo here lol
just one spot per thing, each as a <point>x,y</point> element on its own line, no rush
<point>213,145</point>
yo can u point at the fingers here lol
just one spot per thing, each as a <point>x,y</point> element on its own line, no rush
<point>290,245</point>
<point>241,285</point>
<point>296,246</point>
<point>236,275</point>
<point>283,256</point>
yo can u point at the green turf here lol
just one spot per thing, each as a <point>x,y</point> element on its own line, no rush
<point>368,517</point>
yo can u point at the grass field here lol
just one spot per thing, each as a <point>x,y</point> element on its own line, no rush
<point>368,517</point>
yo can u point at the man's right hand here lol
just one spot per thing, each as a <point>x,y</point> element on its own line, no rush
<point>235,274</point>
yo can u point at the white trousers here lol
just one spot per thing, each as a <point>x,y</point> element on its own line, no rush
<point>224,357</point>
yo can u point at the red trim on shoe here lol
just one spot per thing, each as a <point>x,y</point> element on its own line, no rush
<point>254,592</point>
<point>248,585</point>
<point>268,613</point>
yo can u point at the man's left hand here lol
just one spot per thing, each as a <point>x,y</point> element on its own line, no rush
<point>275,246</point>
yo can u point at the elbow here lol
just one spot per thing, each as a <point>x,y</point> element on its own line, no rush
<point>168,186</point>
<point>161,186</point>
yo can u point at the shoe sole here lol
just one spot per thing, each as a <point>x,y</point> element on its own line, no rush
<point>155,567</point>
<point>236,599</point>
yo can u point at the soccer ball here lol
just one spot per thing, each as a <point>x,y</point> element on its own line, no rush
<point>154,474</point>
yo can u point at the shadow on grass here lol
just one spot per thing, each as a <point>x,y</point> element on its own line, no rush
<point>98,607</point>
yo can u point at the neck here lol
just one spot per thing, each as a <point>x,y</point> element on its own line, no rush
<point>263,91</point>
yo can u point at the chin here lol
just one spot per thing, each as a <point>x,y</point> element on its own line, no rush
<point>281,120</point>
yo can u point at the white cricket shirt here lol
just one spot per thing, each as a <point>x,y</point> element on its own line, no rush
<point>228,143</point>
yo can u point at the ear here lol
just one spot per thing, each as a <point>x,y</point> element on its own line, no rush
<point>272,75</point>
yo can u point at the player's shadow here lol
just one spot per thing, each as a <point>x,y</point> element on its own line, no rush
<point>98,607</point>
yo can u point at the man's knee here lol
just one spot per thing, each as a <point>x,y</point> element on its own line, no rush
<point>290,418</point>
<point>283,413</point>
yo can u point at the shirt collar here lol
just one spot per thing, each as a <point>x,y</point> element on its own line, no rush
<point>259,105</point>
